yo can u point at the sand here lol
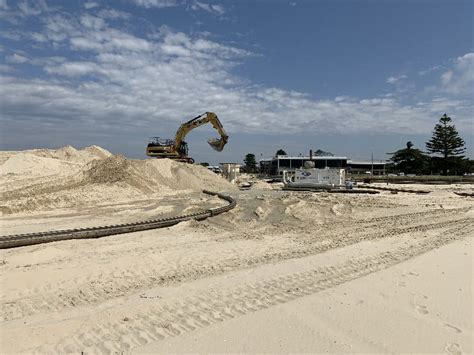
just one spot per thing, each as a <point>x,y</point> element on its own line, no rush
<point>46,180</point>
<point>282,272</point>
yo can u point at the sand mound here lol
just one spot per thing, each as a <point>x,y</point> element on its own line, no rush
<point>153,175</point>
<point>30,164</point>
<point>67,153</point>
<point>68,177</point>
<point>96,151</point>
<point>116,169</point>
<point>70,153</point>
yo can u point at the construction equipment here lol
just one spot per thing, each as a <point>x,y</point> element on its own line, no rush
<point>177,149</point>
<point>310,177</point>
<point>326,178</point>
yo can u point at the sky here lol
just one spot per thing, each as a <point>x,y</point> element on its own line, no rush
<point>353,77</point>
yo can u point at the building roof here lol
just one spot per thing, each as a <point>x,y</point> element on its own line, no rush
<point>349,161</point>
<point>315,157</point>
<point>366,162</point>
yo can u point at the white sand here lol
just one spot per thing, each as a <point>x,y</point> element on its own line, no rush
<point>402,309</point>
<point>44,180</point>
<point>282,272</point>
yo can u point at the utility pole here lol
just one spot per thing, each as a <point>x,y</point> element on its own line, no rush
<point>372,164</point>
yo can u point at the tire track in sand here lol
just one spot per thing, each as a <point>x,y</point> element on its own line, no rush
<point>117,283</point>
<point>153,323</point>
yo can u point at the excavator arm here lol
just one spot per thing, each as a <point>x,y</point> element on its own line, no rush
<point>216,143</point>
<point>177,149</point>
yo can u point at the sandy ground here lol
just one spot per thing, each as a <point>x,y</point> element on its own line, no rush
<point>282,272</point>
<point>367,314</point>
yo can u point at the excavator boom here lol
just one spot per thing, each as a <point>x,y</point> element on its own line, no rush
<point>216,143</point>
<point>177,149</point>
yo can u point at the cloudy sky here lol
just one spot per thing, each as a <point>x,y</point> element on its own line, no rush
<point>347,76</point>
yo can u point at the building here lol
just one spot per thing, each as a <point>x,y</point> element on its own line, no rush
<point>358,167</point>
<point>230,171</point>
<point>280,163</point>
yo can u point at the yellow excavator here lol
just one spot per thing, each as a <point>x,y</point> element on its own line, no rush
<point>177,149</point>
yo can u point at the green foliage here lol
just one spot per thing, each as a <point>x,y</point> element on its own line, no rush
<point>410,160</point>
<point>322,153</point>
<point>280,152</point>
<point>447,143</point>
<point>452,165</point>
<point>250,163</point>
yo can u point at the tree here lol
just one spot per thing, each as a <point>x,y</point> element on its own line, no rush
<point>206,164</point>
<point>410,160</point>
<point>322,153</point>
<point>280,152</point>
<point>446,142</point>
<point>250,163</point>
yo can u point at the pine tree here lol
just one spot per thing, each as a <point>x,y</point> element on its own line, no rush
<point>410,160</point>
<point>447,142</point>
<point>250,163</point>
<point>322,153</point>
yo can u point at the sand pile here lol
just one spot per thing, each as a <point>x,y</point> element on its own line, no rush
<point>116,169</point>
<point>47,162</point>
<point>45,179</point>
<point>72,154</point>
<point>153,175</point>
<point>30,164</point>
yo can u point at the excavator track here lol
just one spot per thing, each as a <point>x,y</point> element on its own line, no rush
<point>19,240</point>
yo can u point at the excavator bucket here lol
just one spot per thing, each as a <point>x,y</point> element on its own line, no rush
<point>217,144</point>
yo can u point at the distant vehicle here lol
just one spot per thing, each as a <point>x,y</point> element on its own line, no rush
<point>411,175</point>
<point>391,175</point>
<point>215,169</point>
<point>401,174</point>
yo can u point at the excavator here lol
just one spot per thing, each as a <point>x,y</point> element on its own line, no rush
<point>177,149</point>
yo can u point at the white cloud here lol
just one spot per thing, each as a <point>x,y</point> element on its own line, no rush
<point>116,80</point>
<point>446,77</point>
<point>73,68</point>
<point>3,5</point>
<point>395,79</point>
<point>429,70</point>
<point>90,5</point>
<point>212,8</point>
<point>113,14</point>
<point>16,59</point>
<point>460,79</point>
<point>13,36</point>
<point>156,3</point>
<point>92,22</point>
<point>32,8</point>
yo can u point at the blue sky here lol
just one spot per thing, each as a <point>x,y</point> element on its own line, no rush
<point>347,76</point>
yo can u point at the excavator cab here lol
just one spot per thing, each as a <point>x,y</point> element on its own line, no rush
<point>160,142</point>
